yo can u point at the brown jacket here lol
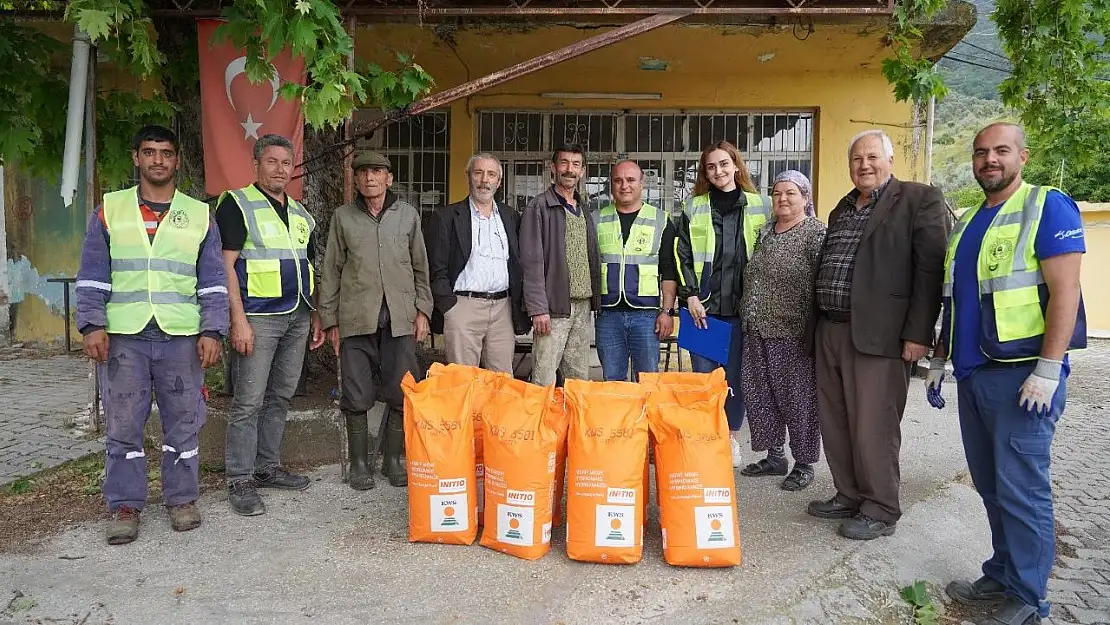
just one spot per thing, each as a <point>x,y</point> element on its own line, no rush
<point>368,259</point>
<point>896,283</point>
<point>543,259</point>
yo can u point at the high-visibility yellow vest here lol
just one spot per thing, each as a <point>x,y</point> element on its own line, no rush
<point>154,279</point>
<point>1012,291</point>
<point>273,269</point>
<point>703,240</point>
<point>630,269</point>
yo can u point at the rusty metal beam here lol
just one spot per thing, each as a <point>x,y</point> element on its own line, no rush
<point>546,60</point>
<point>880,8</point>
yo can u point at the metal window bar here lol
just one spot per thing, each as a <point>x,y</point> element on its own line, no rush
<point>667,144</point>
<point>419,149</point>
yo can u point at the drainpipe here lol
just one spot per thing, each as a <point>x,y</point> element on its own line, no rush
<point>75,115</point>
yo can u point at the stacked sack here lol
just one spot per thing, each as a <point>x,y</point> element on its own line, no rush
<point>463,424</point>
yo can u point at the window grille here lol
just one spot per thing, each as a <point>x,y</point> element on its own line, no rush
<point>667,146</point>
<point>419,149</point>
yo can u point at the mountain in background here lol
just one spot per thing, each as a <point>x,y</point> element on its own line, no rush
<point>977,64</point>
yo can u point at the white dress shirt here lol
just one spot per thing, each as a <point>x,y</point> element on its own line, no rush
<point>487,270</point>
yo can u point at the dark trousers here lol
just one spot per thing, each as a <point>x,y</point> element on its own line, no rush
<point>861,399</point>
<point>1008,455</point>
<point>173,367</point>
<point>365,356</point>
<point>734,368</point>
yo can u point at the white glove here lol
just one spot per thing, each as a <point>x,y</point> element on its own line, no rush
<point>1039,388</point>
<point>933,382</point>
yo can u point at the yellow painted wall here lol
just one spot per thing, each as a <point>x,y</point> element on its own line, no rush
<point>1096,291</point>
<point>835,72</point>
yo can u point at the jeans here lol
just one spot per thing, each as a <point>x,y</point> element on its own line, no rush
<point>734,405</point>
<point>264,384</point>
<point>1008,455</point>
<point>625,333</point>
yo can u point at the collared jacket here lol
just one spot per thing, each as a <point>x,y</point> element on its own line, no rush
<point>447,234</point>
<point>898,271</point>
<point>94,282</point>
<point>543,259</point>
<point>371,259</point>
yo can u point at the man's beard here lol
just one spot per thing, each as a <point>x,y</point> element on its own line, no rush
<point>994,187</point>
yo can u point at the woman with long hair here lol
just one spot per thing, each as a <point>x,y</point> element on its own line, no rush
<point>716,235</point>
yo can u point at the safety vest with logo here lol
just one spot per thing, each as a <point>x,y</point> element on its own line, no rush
<point>154,279</point>
<point>1013,296</point>
<point>630,269</point>
<point>273,269</point>
<point>703,239</point>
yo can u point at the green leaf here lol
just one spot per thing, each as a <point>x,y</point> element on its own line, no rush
<point>96,23</point>
<point>303,7</point>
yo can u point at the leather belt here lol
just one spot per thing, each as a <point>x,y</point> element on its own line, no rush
<point>836,317</point>
<point>476,295</point>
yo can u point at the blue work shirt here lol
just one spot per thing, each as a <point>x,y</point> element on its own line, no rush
<point>1060,232</point>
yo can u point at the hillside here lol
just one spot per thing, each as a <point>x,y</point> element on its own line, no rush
<point>977,64</point>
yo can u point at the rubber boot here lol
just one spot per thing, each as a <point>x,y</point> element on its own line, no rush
<point>393,446</point>
<point>359,475</point>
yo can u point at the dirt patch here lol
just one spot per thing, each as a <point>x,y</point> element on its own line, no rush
<point>37,507</point>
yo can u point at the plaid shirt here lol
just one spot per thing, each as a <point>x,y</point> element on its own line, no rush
<point>838,258</point>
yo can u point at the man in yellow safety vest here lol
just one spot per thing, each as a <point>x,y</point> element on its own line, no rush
<point>152,306</point>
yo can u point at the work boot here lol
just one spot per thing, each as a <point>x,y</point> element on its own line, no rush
<point>244,499</point>
<point>863,527</point>
<point>359,474</point>
<point>1012,612</point>
<point>279,477</point>
<point>184,517</point>
<point>124,526</point>
<point>393,446</point>
<point>831,509</point>
<point>983,591</point>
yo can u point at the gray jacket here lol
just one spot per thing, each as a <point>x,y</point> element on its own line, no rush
<point>369,259</point>
<point>543,258</point>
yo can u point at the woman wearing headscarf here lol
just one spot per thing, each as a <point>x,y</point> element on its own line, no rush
<point>779,382</point>
<point>715,236</point>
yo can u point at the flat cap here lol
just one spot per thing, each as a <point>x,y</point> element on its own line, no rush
<point>370,159</point>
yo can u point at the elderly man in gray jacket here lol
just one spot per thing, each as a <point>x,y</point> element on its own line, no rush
<point>375,302</point>
<point>562,272</point>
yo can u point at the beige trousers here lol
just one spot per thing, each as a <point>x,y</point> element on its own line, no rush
<point>479,332</point>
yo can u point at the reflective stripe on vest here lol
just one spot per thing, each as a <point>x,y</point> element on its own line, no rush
<point>273,269</point>
<point>154,279</point>
<point>1011,296</point>
<point>630,269</point>
<point>703,239</point>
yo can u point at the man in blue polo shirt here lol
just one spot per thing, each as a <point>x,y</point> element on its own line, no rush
<point>1012,310</point>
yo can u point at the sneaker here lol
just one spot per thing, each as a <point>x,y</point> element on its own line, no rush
<point>184,517</point>
<point>244,498</point>
<point>737,461</point>
<point>124,526</point>
<point>278,477</point>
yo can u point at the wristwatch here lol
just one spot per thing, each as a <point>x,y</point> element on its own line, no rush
<point>670,312</point>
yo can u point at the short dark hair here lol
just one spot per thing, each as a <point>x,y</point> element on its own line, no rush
<point>154,133</point>
<point>569,148</point>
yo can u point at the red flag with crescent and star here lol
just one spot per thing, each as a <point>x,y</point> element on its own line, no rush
<point>235,113</point>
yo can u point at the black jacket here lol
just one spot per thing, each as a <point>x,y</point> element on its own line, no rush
<point>447,237</point>
<point>726,277</point>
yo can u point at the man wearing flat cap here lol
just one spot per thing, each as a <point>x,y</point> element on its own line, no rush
<point>375,302</point>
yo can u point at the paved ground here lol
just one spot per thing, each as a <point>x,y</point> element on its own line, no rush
<point>334,556</point>
<point>39,400</point>
<point>1081,477</point>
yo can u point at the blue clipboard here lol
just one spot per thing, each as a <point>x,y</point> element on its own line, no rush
<point>713,342</point>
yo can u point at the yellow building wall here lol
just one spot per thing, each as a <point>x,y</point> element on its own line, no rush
<point>1096,292</point>
<point>835,73</point>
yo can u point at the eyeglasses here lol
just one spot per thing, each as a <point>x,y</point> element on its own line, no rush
<point>496,247</point>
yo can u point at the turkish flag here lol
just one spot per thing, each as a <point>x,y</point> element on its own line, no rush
<point>235,113</point>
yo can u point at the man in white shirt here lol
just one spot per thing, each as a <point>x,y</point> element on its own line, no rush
<point>475,272</point>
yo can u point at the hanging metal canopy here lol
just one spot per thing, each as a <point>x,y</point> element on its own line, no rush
<point>610,11</point>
